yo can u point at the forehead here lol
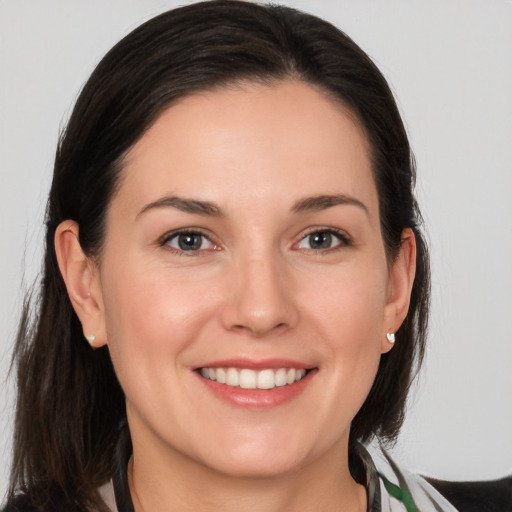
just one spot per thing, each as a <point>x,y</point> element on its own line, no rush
<point>251,141</point>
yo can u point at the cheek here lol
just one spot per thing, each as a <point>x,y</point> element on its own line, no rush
<point>344,315</point>
<point>349,304</point>
<point>151,316</point>
<point>348,313</point>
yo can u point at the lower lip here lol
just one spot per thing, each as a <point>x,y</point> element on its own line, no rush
<point>258,398</point>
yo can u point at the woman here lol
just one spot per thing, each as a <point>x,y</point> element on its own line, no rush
<point>235,292</point>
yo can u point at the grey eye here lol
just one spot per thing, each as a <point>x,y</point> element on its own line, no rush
<point>320,240</point>
<point>190,242</point>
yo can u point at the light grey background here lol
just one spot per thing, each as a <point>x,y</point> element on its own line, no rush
<point>450,64</point>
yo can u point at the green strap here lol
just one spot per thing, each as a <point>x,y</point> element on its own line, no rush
<point>400,494</point>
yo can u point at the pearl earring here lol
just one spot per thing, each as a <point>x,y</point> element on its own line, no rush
<point>391,337</point>
<point>90,338</point>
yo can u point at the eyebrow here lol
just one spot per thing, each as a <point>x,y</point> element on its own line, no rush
<point>322,202</point>
<point>185,205</point>
<point>207,208</point>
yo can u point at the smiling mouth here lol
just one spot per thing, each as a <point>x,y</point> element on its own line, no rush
<point>246,378</point>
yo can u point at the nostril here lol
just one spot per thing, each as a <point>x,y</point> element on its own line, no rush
<point>259,329</point>
<point>257,312</point>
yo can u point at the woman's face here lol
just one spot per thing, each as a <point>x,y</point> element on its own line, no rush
<point>244,244</point>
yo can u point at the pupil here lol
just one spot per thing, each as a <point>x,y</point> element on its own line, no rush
<point>321,240</point>
<point>189,242</point>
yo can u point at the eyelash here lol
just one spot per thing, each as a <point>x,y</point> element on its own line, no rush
<point>166,239</point>
<point>343,241</point>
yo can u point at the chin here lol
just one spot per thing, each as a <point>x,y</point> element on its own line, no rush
<point>258,467</point>
<point>262,456</point>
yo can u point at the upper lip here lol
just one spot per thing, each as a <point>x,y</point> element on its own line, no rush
<point>253,364</point>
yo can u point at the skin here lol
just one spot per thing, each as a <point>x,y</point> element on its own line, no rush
<point>257,288</point>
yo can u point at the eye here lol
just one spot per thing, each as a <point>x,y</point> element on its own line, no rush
<point>322,240</point>
<point>189,241</point>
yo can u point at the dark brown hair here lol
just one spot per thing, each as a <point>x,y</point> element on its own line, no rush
<point>69,403</point>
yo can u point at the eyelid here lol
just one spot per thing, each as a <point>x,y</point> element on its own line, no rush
<point>343,237</point>
<point>163,241</point>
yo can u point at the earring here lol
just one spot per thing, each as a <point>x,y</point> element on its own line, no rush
<point>90,338</point>
<point>391,337</point>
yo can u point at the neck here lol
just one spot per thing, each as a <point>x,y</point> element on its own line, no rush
<point>161,479</point>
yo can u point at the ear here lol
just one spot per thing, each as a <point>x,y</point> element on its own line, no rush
<point>81,276</point>
<point>401,279</point>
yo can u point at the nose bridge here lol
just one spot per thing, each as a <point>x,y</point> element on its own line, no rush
<point>259,301</point>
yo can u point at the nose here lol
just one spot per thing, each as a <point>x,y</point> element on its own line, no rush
<point>260,298</point>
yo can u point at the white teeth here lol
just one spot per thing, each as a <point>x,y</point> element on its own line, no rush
<point>248,379</point>
<point>266,379</point>
<point>221,375</point>
<point>252,379</point>
<point>280,378</point>
<point>232,377</point>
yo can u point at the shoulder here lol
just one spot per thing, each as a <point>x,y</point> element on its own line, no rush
<point>477,496</point>
<point>19,503</point>
<point>23,503</point>
<point>400,489</point>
